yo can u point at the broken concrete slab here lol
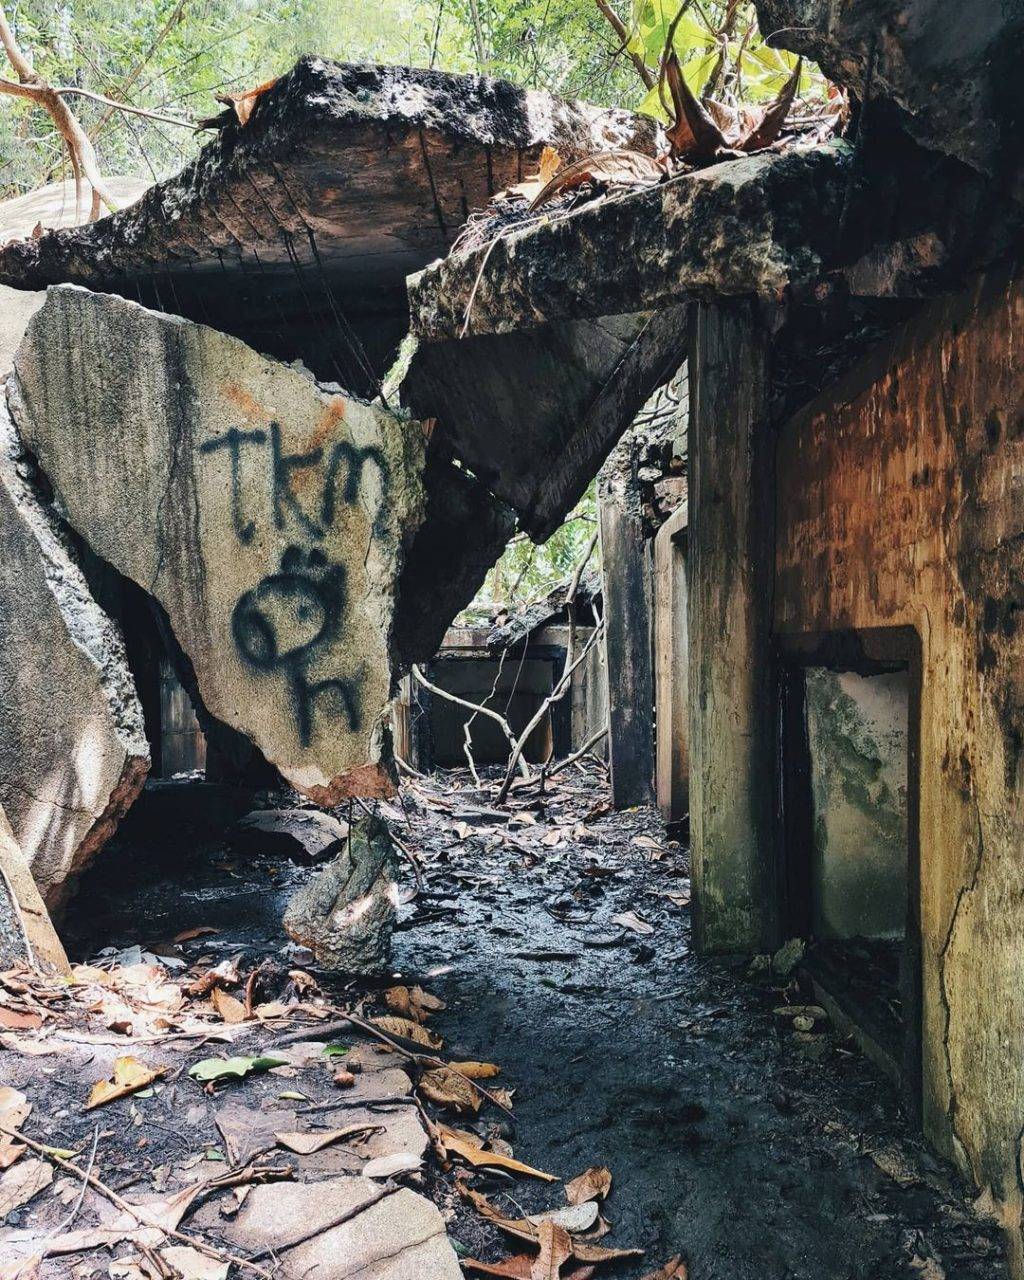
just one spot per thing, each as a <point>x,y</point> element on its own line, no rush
<point>464,531</point>
<point>345,1227</point>
<point>27,935</point>
<point>534,414</point>
<point>296,230</point>
<point>268,518</point>
<point>345,913</point>
<point>73,750</point>
<point>757,225</point>
<point>307,835</point>
<point>950,69</point>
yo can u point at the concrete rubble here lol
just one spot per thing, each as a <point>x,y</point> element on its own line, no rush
<point>267,518</point>
<point>345,913</point>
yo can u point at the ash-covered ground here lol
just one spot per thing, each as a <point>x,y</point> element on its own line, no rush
<point>558,932</point>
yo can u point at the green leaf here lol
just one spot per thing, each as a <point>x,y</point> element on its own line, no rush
<point>336,1050</point>
<point>231,1068</point>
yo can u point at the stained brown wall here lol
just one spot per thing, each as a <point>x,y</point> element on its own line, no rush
<point>901,503</point>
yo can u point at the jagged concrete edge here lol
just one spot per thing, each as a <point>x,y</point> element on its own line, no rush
<point>315,97</point>
<point>648,249</point>
<point>89,628</point>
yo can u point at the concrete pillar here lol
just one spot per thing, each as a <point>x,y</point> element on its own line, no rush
<point>626,570</point>
<point>671,668</point>
<point>732,752</point>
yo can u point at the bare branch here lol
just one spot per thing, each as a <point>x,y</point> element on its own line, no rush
<point>499,720</point>
<point>619,27</point>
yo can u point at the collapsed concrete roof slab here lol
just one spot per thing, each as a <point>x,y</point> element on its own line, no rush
<point>73,750</point>
<point>756,225</point>
<point>268,518</point>
<point>534,414</point>
<point>307,219</point>
<point>952,69</point>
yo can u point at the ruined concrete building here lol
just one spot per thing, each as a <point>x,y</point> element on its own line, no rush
<point>837,603</point>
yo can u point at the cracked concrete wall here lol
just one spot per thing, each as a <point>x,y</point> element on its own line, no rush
<point>899,505</point>
<point>269,519</point>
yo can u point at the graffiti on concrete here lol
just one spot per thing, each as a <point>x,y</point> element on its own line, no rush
<point>292,620</point>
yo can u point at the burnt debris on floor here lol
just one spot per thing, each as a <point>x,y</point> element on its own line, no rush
<point>552,940</point>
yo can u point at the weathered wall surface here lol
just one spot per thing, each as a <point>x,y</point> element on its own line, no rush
<point>268,518</point>
<point>671,668</point>
<point>900,504</point>
<point>857,734</point>
<point>73,751</point>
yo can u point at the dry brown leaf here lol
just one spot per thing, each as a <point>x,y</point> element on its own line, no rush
<point>518,1267</point>
<point>596,1253</point>
<point>477,1070</point>
<point>20,1184</point>
<point>406,1029</point>
<point>190,1264</point>
<point>15,1109</point>
<point>14,1020</point>
<point>555,1248</point>
<point>480,1159</point>
<point>594,1184</point>
<point>674,1269</point>
<point>130,1075</point>
<point>230,1009</point>
<point>446,1088</point>
<point>412,1002</point>
<point>304,1144</point>
<point>630,920</point>
<point>199,932</point>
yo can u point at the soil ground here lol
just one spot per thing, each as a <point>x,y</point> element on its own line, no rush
<point>757,1152</point>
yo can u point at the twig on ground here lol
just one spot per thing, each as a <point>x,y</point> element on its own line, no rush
<point>137,1211</point>
<point>590,743</point>
<point>408,1048</point>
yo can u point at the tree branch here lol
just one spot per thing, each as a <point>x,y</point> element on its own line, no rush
<point>619,27</point>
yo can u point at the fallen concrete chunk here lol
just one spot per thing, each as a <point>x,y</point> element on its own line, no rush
<point>73,750</point>
<point>268,518</point>
<point>757,225</point>
<point>346,912</point>
<point>344,179</point>
<point>342,1227</point>
<point>27,935</point>
<point>303,834</point>
<point>533,414</point>
<point>952,70</point>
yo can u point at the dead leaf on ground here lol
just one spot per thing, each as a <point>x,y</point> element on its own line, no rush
<point>15,1109</point>
<point>228,1007</point>
<point>446,1088</point>
<point>555,1249</point>
<point>674,1269</point>
<point>594,1184</point>
<point>476,1070</point>
<point>304,1144</point>
<point>412,1002</point>
<point>474,1155</point>
<point>406,1029</point>
<point>130,1075</point>
<point>21,1183</point>
<point>630,920</point>
<point>190,1264</point>
<point>518,1267</point>
<point>13,1020</point>
<point>200,931</point>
